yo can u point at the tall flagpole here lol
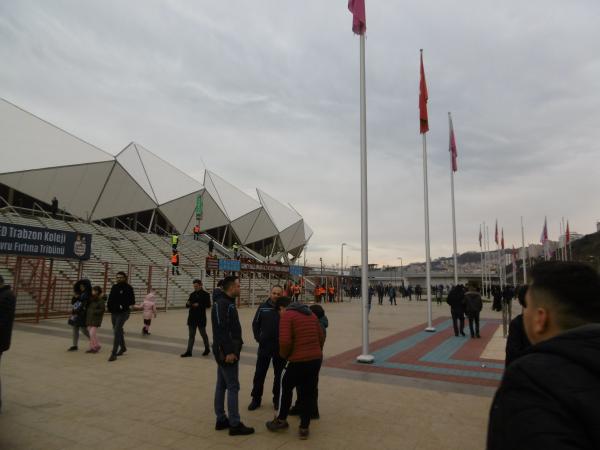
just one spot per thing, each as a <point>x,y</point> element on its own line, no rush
<point>452,195</point>
<point>427,247</point>
<point>481,255</point>
<point>524,253</point>
<point>365,357</point>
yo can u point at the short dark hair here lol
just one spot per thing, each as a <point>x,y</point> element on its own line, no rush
<point>571,289</point>
<point>98,289</point>
<point>276,286</point>
<point>123,274</point>
<point>317,310</point>
<point>282,302</point>
<point>228,282</point>
<point>197,281</point>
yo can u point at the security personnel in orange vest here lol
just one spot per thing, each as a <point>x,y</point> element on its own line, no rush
<point>196,232</point>
<point>331,293</point>
<point>296,292</point>
<point>175,262</point>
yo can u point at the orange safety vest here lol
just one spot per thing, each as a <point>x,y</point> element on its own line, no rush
<point>196,229</point>
<point>175,259</point>
<point>296,289</point>
<point>331,290</point>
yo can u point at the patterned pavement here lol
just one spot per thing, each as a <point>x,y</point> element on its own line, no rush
<point>437,356</point>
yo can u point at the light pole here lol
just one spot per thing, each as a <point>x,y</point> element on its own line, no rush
<point>321,260</point>
<point>401,271</point>
<point>342,274</point>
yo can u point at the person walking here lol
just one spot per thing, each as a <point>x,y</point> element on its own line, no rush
<point>418,292</point>
<point>227,345</point>
<point>380,293</point>
<point>93,317</point>
<point>82,291</point>
<point>517,342</point>
<point>175,262</point>
<point>549,398</point>
<point>456,300</point>
<point>301,340</point>
<point>198,302</point>
<point>196,232</point>
<point>473,307</point>
<point>120,299</point>
<point>8,303</point>
<point>392,294</point>
<point>296,291</point>
<point>148,308</point>
<point>265,327</point>
<point>211,247</point>
<point>174,241</point>
<point>439,292</point>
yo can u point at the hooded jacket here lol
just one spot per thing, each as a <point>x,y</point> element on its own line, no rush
<point>265,327</point>
<point>473,303</point>
<point>227,331</point>
<point>550,397</point>
<point>301,337</point>
<point>7,316</point>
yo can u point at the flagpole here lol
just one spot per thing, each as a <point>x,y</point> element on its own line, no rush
<point>430,326</point>
<point>365,357</point>
<point>486,246</point>
<point>524,253</point>
<point>452,195</point>
<point>481,256</point>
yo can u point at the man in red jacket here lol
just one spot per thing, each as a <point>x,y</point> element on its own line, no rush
<point>301,341</point>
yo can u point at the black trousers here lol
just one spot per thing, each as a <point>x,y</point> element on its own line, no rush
<point>458,317</point>
<point>118,322</point>
<point>474,320</point>
<point>305,377</point>
<point>192,337</point>
<point>263,361</point>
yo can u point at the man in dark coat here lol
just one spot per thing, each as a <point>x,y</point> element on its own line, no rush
<point>227,346</point>
<point>120,299</point>
<point>473,307</point>
<point>7,317</point>
<point>549,398</point>
<point>456,300</point>
<point>517,341</point>
<point>198,303</point>
<point>265,327</point>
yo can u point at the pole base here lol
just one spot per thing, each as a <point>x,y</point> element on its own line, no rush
<point>365,359</point>
<point>430,329</point>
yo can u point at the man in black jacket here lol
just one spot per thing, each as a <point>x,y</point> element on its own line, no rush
<point>121,297</point>
<point>227,345</point>
<point>198,303</point>
<point>7,317</point>
<point>517,342</point>
<point>456,300</point>
<point>550,397</point>
<point>265,327</point>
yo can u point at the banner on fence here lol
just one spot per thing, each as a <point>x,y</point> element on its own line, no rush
<point>23,240</point>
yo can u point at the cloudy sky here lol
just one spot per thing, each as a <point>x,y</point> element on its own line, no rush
<point>265,94</point>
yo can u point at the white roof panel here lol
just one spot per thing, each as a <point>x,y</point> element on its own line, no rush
<point>297,240</point>
<point>262,228</point>
<point>168,182</point>
<point>308,232</point>
<point>283,216</point>
<point>181,212</point>
<point>33,143</point>
<point>122,195</point>
<point>234,202</point>
<point>212,216</point>
<point>244,224</point>
<point>130,160</point>
<point>288,235</point>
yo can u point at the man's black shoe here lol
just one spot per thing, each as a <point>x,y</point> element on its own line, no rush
<point>120,352</point>
<point>240,430</point>
<point>222,425</point>
<point>277,424</point>
<point>186,355</point>
<point>113,357</point>
<point>72,348</point>
<point>294,411</point>
<point>462,333</point>
<point>255,403</point>
<point>315,415</point>
<point>206,352</point>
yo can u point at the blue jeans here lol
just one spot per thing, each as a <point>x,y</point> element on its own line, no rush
<point>227,380</point>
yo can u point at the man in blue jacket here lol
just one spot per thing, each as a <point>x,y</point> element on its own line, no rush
<point>265,327</point>
<point>227,345</point>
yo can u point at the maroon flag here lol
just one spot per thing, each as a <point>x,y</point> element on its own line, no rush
<point>423,97</point>
<point>567,234</point>
<point>359,20</point>
<point>480,237</point>
<point>502,240</point>
<point>544,236</point>
<point>453,146</point>
<point>496,233</point>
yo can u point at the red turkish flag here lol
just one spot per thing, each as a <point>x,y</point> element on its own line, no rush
<point>568,234</point>
<point>423,97</point>
<point>359,19</point>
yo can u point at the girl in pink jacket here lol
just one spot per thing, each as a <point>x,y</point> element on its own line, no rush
<point>148,307</point>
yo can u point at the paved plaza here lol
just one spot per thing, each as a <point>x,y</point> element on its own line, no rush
<point>425,390</point>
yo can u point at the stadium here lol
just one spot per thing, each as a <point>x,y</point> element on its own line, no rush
<point>130,203</point>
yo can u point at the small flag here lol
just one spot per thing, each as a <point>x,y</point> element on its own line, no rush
<point>480,236</point>
<point>423,97</point>
<point>567,234</point>
<point>502,238</point>
<point>453,145</point>
<point>359,19</point>
<point>496,233</point>
<point>544,236</point>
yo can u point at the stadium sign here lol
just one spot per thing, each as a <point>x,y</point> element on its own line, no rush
<point>23,240</point>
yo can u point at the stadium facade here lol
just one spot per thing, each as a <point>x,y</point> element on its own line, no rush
<point>136,189</point>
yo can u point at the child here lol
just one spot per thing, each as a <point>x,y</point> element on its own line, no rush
<point>318,311</point>
<point>148,307</point>
<point>93,318</point>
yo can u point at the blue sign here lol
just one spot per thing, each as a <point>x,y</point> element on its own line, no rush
<point>229,265</point>
<point>296,271</point>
